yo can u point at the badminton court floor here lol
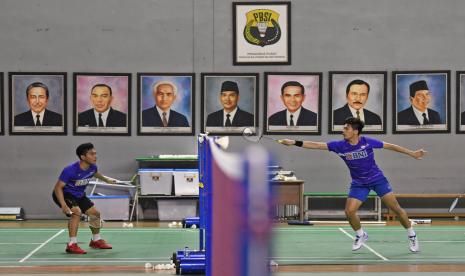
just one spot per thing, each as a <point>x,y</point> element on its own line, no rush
<point>294,245</point>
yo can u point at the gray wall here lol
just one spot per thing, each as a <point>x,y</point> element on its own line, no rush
<point>184,36</point>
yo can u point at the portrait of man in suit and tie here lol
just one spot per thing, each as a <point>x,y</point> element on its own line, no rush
<point>102,104</point>
<point>419,113</point>
<point>166,103</point>
<point>162,115</point>
<point>421,101</point>
<point>292,103</point>
<point>360,95</point>
<point>229,102</point>
<point>2,129</point>
<point>38,103</point>
<point>102,114</point>
<point>38,115</point>
<point>460,90</point>
<point>293,96</point>
<point>231,115</point>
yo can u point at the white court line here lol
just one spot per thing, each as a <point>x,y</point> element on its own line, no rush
<point>442,241</point>
<point>369,248</point>
<point>99,261</point>
<point>104,259</point>
<point>18,243</point>
<point>42,245</point>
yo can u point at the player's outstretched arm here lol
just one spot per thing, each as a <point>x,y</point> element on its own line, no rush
<point>417,154</point>
<point>305,144</point>
<point>105,178</point>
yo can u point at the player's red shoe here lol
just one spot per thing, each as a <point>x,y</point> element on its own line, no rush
<point>74,249</point>
<point>100,244</point>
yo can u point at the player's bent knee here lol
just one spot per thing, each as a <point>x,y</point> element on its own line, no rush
<point>76,212</point>
<point>350,212</point>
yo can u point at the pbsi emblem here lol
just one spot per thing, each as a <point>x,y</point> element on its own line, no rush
<point>262,27</point>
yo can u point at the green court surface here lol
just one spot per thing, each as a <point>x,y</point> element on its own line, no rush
<point>296,245</point>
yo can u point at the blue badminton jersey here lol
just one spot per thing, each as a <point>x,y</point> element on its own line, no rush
<point>77,179</point>
<point>359,158</point>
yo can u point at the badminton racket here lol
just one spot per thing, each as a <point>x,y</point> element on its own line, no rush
<point>121,182</point>
<point>454,203</point>
<point>93,221</point>
<point>250,136</point>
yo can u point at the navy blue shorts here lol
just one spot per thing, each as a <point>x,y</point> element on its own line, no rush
<point>360,192</point>
<point>84,203</point>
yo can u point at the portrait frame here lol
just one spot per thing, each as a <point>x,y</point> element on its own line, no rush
<point>22,123</point>
<point>119,116</point>
<point>460,102</point>
<point>273,105</point>
<point>184,104</point>
<point>2,106</point>
<point>375,107</point>
<point>438,82</point>
<point>249,102</point>
<point>271,45</point>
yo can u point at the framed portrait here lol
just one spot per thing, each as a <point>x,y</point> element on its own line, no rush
<point>292,103</point>
<point>37,103</point>
<point>229,103</point>
<point>460,82</point>
<point>2,110</point>
<point>166,103</point>
<point>421,101</point>
<point>358,94</point>
<point>261,33</point>
<point>102,104</point>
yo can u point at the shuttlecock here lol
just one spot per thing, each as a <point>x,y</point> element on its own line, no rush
<point>223,142</point>
<point>179,223</point>
<point>247,131</point>
<point>158,266</point>
<point>193,226</point>
<point>125,225</point>
<point>170,225</point>
<point>130,225</point>
<point>148,265</point>
<point>273,263</point>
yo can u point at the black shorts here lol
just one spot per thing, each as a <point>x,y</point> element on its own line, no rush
<point>84,203</point>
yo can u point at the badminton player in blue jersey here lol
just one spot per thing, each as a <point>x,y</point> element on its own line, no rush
<point>69,194</point>
<point>357,153</point>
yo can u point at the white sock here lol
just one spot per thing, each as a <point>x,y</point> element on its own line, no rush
<point>96,237</point>
<point>72,240</point>
<point>359,232</point>
<point>410,232</point>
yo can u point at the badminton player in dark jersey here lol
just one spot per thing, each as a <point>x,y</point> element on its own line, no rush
<point>69,195</point>
<point>357,153</point>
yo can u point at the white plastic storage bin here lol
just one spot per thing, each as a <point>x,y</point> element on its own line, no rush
<point>156,181</point>
<point>186,182</point>
<point>112,207</point>
<point>176,209</point>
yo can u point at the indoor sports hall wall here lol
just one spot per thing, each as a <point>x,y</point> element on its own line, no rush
<point>196,36</point>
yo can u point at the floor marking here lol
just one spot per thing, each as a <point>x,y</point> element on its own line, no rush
<point>42,245</point>
<point>20,243</point>
<point>369,248</point>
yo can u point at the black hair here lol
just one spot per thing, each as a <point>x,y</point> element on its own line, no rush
<point>355,124</point>
<point>37,84</point>
<point>357,82</point>
<point>292,83</point>
<point>101,85</point>
<point>82,149</point>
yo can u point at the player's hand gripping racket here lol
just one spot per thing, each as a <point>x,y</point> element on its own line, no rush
<point>250,136</point>
<point>94,222</point>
